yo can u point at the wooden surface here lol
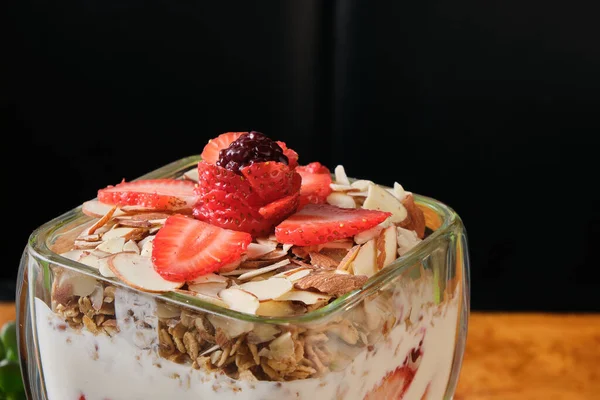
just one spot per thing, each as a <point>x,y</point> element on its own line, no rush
<point>520,356</point>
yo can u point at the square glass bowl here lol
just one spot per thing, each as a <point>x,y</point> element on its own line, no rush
<point>85,336</point>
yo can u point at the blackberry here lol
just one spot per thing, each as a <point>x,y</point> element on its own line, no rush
<point>248,149</point>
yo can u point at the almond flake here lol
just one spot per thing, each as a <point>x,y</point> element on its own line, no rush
<point>282,347</point>
<point>239,300</point>
<point>294,274</point>
<point>274,255</point>
<point>341,188</point>
<point>263,333</point>
<point>209,278</point>
<point>112,246</point>
<point>232,327</point>
<point>146,249</point>
<point>236,272</point>
<point>358,194</point>
<point>365,262</point>
<point>340,175</point>
<point>96,209</point>
<point>263,270</point>
<point>399,191</point>
<point>278,309</point>
<point>304,296</point>
<point>97,297</point>
<point>89,238</point>
<point>104,268</point>
<point>192,175</point>
<point>139,273</point>
<point>102,221</point>
<point>268,289</point>
<point>362,185</point>
<point>287,247</point>
<point>341,200</point>
<point>89,260</point>
<point>365,236</point>
<point>331,283</point>
<point>83,245</point>
<point>210,350</point>
<point>380,199</point>
<point>256,250</point>
<point>407,239</point>
<point>389,236</point>
<point>131,246</point>
<point>209,288</point>
<point>73,254</point>
<point>270,241</point>
<point>209,299</point>
<point>322,261</point>
<point>125,233</point>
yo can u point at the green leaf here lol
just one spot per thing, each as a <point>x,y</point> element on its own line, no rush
<point>10,377</point>
<point>8,336</point>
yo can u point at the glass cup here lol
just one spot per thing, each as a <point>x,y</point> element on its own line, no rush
<point>86,336</point>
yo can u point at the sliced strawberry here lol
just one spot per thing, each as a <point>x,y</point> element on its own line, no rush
<point>210,154</point>
<point>272,180</point>
<point>290,154</point>
<point>158,194</point>
<point>315,188</point>
<point>230,211</point>
<point>394,385</point>
<point>185,248</point>
<point>322,223</point>
<point>280,209</point>
<point>212,177</point>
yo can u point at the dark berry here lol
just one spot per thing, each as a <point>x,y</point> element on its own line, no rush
<point>250,148</point>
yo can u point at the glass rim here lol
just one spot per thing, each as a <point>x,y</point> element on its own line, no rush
<point>37,244</point>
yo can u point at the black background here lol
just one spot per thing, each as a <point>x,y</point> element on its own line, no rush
<point>491,107</point>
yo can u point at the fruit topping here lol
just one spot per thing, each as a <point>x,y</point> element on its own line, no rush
<point>186,248</point>
<point>272,180</point>
<point>250,148</point>
<point>211,151</point>
<point>155,194</point>
<point>212,177</point>
<point>316,181</point>
<point>322,223</point>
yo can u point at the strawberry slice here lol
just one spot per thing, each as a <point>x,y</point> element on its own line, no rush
<point>280,209</point>
<point>394,385</point>
<point>290,154</point>
<point>322,223</point>
<point>185,248</point>
<point>315,188</point>
<point>157,194</point>
<point>230,211</point>
<point>212,177</point>
<point>210,154</point>
<point>272,180</point>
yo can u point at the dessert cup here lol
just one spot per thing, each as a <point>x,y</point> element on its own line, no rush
<point>401,336</point>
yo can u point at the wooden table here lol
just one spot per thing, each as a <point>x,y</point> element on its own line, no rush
<point>520,356</point>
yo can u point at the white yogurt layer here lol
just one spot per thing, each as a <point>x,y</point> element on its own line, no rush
<point>127,366</point>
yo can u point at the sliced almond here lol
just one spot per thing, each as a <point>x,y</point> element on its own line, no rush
<point>389,235</point>
<point>102,221</point>
<point>89,238</point>
<point>407,239</point>
<point>331,283</point>
<point>209,299</point>
<point>277,309</point>
<point>274,255</point>
<point>268,289</point>
<point>126,233</point>
<point>237,272</point>
<point>73,254</point>
<point>97,297</point>
<point>287,247</point>
<point>209,278</point>
<point>83,245</point>
<point>209,289</point>
<point>341,200</point>
<point>192,175</point>
<point>104,268</point>
<point>240,300</point>
<point>416,218</point>
<point>210,350</point>
<point>100,253</point>
<point>231,327</point>
<point>263,332</point>
<point>96,209</point>
<point>399,191</point>
<point>322,261</point>
<point>365,262</point>
<point>340,175</point>
<point>145,240</point>
<point>336,187</point>
<point>362,185</point>
<point>282,347</point>
<point>132,247</point>
<point>139,273</point>
<point>263,270</point>
<point>112,246</point>
<point>268,241</point>
<point>348,259</point>
<point>365,236</point>
<point>357,194</point>
<point>380,199</point>
<point>89,260</point>
<point>75,284</point>
<point>257,250</point>
<point>304,296</point>
<point>294,274</point>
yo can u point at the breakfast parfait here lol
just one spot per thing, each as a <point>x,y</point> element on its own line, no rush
<point>250,276</point>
